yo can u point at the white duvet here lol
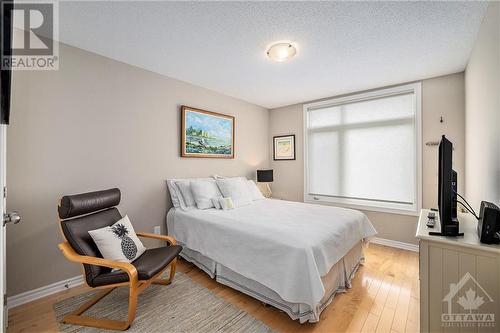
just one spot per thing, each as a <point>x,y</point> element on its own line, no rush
<point>286,246</point>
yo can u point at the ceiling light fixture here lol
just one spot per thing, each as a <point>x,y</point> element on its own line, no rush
<point>281,51</point>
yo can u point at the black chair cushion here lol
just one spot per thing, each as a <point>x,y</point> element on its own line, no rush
<point>85,203</point>
<point>76,232</point>
<point>148,265</point>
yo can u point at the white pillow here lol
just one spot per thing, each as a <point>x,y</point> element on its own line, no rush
<point>255,193</point>
<point>236,189</point>
<point>175,195</point>
<point>184,187</point>
<point>216,203</point>
<point>118,242</point>
<point>203,191</point>
<point>226,203</point>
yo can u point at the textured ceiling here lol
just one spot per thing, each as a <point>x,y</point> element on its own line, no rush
<point>342,46</point>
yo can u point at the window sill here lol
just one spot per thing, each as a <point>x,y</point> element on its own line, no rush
<point>365,207</point>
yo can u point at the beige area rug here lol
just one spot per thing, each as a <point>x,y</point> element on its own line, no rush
<point>183,306</point>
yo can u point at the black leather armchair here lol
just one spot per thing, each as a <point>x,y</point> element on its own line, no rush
<point>88,211</point>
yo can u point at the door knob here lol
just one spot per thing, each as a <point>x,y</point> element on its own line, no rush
<point>12,217</point>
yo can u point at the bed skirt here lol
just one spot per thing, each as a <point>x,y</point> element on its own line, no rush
<point>337,280</point>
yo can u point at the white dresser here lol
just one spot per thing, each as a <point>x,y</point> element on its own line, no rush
<point>459,280</point>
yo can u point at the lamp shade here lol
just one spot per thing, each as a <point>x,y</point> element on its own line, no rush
<point>265,176</point>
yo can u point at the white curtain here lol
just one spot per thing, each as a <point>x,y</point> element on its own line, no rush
<point>363,150</point>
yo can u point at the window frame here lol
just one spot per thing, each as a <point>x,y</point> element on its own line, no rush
<point>369,204</point>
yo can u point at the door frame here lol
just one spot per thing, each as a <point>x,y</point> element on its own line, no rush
<point>3,259</point>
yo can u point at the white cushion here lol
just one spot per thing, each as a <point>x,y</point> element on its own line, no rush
<point>255,193</point>
<point>184,187</point>
<point>236,189</point>
<point>118,242</point>
<point>226,203</point>
<point>175,195</point>
<point>203,191</point>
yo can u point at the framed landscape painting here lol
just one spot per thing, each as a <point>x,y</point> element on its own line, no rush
<point>284,147</point>
<point>206,134</point>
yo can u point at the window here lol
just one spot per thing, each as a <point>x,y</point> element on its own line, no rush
<point>363,150</point>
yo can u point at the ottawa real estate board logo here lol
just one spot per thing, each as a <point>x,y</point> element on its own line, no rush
<point>467,305</point>
<point>30,34</point>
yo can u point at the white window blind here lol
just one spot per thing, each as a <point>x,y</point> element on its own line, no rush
<point>364,150</point>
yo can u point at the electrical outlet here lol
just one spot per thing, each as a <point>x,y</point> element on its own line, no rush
<point>157,230</point>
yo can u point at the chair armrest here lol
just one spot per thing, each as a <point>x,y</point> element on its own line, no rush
<point>71,255</point>
<point>168,239</point>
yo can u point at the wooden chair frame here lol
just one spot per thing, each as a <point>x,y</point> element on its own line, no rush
<point>136,287</point>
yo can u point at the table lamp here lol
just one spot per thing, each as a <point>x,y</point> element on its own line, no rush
<point>264,177</point>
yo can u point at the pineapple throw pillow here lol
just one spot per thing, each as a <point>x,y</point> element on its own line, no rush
<point>118,242</point>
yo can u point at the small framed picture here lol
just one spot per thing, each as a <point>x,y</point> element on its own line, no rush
<point>284,147</point>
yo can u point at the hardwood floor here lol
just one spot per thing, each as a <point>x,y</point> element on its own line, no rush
<point>384,298</point>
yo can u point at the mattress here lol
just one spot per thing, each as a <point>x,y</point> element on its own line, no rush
<point>284,246</point>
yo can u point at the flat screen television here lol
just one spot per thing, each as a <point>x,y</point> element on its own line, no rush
<point>447,191</point>
<point>5,73</point>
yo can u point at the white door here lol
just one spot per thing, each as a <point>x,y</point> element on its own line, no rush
<point>11,217</point>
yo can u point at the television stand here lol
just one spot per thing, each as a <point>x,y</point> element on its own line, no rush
<point>435,233</point>
<point>449,230</point>
<point>460,262</point>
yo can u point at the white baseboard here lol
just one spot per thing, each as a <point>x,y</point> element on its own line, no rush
<point>35,294</point>
<point>396,244</point>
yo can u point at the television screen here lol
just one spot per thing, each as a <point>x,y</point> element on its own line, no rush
<point>444,182</point>
<point>447,187</point>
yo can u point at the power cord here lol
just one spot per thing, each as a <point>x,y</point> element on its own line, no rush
<point>470,211</point>
<point>465,201</point>
<point>468,207</point>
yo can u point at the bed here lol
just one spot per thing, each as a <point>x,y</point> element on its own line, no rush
<point>293,256</point>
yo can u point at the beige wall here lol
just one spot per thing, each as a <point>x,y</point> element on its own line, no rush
<point>95,124</point>
<point>482,115</point>
<point>440,96</point>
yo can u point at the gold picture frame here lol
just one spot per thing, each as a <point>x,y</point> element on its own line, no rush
<point>206,134</point>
